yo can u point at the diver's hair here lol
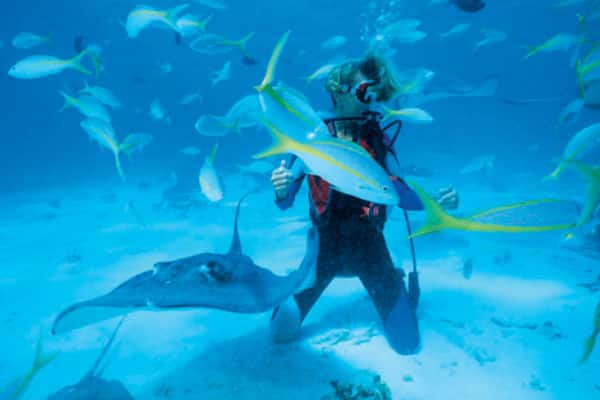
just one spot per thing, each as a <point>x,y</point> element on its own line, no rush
<point>374,66</point>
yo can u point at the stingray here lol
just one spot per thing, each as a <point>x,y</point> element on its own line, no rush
<point>230,282</point>
<point>92,386</point>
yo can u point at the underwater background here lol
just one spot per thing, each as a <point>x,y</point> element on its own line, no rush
<point>72,229</point>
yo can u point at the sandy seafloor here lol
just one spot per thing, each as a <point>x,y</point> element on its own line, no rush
<point>515,330</point>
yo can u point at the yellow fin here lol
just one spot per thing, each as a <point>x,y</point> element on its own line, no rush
<point>531,50</point>
<point>436,219</point>
<point>40,361</point>
<point>202,23</point>
<point>556,173</point>
<point>241,44</point>
<point>281,143</point>
<point>75,63</point>
<point>70,101</point>
<point>271,92</point>
<point>511,206</point>
<point>270,74</point>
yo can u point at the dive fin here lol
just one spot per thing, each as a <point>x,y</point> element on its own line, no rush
<point>414,289</point>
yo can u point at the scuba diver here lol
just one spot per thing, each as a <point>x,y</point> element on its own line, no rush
<point>350,230</point>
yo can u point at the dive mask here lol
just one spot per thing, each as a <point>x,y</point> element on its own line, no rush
<point>363,91</point>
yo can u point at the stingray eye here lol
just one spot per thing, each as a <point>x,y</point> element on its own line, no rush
<point>218,272</point>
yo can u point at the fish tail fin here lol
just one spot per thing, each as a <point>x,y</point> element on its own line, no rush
<point>281,142</point>
<point>42,358</point>
<point>270,73</point>
<point>436,219</point>
<point>203,22</point>
<point>127,146</point>
<point>554,175</point>
<point>40,361</point>
<point>171,15</point>
<point>531,50</point>
<point>97,61</point>
<point>241,44</point>
<point>213,153</point>
<point>69,101</point>
<point>75,63</point>
<point>387,113</point>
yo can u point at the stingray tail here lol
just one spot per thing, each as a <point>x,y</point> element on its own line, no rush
<point>100,358</point>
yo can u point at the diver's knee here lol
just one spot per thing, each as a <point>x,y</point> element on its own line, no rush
<point>285,321</point>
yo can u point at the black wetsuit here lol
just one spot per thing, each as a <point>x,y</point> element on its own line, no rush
<point>352,244</point>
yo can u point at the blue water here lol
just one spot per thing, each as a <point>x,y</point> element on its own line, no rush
<point>44,154</point>
<point>44,146</point>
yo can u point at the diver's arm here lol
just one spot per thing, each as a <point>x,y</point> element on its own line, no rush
<point>409,200</point>
<point>297,175</point>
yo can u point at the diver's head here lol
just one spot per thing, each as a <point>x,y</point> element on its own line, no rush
<point>356,84</point>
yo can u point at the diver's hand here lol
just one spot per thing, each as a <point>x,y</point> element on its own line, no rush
<point>281,179</point>
<point>448,198</point>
